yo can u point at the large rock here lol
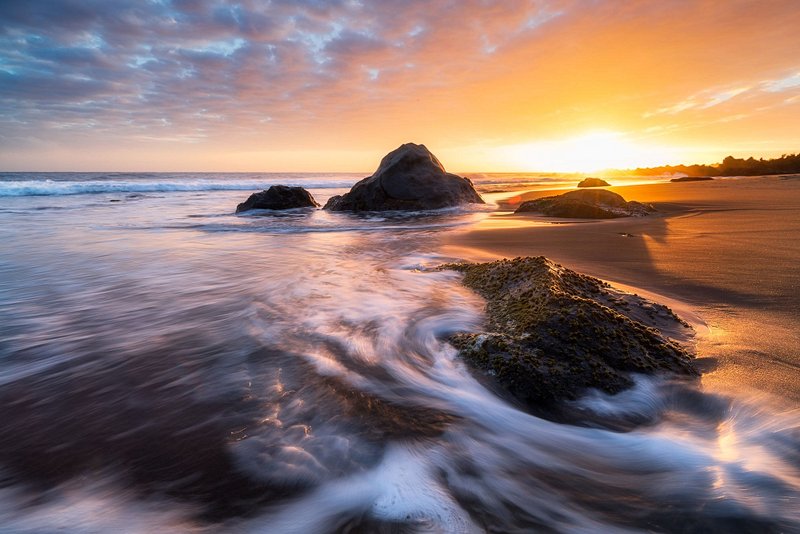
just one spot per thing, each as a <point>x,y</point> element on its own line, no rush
<point>278,197</point>
<point>550,333</point>
<point>408,178</point>
<point>593,182</point>
<point>586,204</point>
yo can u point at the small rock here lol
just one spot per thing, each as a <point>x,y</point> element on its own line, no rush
<point>279,197</point>
<point>593,182</point>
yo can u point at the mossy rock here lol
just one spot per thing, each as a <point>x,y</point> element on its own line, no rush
<point>586,204</point>
<point>551,333</point>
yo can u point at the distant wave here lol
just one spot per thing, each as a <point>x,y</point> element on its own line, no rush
<point>18,188</point>
<point>58,184</point>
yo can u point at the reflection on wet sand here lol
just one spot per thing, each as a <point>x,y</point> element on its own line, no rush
<point>727,247</point>
<point>168,365</point>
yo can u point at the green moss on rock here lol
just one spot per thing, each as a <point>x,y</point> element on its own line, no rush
<point>552,332</point>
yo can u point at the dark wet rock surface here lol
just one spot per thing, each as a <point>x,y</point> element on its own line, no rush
<point>408,178</point>
<point>586,204</point>
<point>551,333</point>
<point>278,197</point>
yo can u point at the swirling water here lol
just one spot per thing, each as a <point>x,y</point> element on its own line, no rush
<point>167,365</point>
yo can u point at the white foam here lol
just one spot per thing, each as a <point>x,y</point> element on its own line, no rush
<point>644,398</point>
<point>91,507</point>
<point>19,188</point>
<point>408,491</point>
<point>402,488</point>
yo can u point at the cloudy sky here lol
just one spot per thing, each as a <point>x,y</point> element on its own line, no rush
<point>313,85</point>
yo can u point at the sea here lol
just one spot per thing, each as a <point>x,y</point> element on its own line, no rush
<point>168,365</point>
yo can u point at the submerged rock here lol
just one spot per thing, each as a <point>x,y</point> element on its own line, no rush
<point>593,182</point>
<point>586,204</point>
<point>408,178</point>
<point>551,333</point>
<point>278,197</point>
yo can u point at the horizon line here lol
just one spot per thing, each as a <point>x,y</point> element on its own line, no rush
<point>369,173</point>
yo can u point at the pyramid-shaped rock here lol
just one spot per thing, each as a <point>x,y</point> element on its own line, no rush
<point>408,178</point>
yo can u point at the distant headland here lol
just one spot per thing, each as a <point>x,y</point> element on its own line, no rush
<point>730,166</point>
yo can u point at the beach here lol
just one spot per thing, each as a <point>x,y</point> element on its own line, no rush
<point>727,249</point>
<point>345,267</point>
<point>167,364</point>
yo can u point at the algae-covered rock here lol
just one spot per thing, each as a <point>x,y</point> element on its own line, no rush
<point>551,333</point>
<point>586,204</point>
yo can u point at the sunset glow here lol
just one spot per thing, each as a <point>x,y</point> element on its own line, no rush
<point>590,152</point>
<point>458,266</point>
<point>553,85</point>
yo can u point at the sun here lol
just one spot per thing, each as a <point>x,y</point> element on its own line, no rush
<point>588,152</point>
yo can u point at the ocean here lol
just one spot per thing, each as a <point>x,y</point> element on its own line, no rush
<point>168,365</point>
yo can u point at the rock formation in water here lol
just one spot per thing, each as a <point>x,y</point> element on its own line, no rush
<point>278,197</point>
<point>586,204</point>
<point>551,333</point>
<point>408,178</point>
<point>593,182</point>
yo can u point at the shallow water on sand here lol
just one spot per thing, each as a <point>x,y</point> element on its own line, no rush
<point>166,365</point>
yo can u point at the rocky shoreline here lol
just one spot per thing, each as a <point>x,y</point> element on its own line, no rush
<point>409,178</point>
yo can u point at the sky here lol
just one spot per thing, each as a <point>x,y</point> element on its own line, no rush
<point>312,85</point>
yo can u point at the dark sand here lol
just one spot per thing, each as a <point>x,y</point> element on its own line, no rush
<point>729,248</point>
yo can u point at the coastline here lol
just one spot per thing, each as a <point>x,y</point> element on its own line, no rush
<point>300,358</point>
<point>721,253</point>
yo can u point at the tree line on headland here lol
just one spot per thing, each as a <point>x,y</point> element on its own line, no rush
<point>730,166</point>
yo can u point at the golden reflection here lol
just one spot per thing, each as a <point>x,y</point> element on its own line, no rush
<point>726,442</point>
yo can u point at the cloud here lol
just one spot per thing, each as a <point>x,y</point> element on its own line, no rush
<point>236,58</point>
<point>715,96</point>
<point>288,73</point>
<point>786,83</point>
<point>703,100</point>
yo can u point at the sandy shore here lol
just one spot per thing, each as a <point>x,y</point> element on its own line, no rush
<point>729,248</point>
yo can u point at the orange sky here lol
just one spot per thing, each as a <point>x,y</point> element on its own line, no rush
<point>332,86</point>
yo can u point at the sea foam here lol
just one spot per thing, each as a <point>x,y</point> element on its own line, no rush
<point>18,188</point>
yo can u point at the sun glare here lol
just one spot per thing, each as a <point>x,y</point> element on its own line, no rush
<point>589,152</point>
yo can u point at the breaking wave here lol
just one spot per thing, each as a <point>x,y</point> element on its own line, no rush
<point>161,370</point>
<point>19,188</point>
<point>56,184</point>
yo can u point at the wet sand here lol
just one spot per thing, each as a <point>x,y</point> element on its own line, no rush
<point>729,248</point>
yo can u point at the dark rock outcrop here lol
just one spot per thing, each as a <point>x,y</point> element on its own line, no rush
<point>551,332</point>
<point>692,179</point>
<point>586,204</point>
<point>278,197</point>
<point>408,178</point>
<point>593,182</point>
